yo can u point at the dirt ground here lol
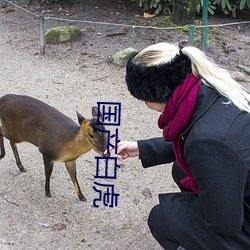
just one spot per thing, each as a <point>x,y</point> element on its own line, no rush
<point>75,76</point>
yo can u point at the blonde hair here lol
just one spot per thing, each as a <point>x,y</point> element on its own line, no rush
<point>202,67</point>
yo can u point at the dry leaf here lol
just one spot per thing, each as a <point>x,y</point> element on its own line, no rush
<point>147,15</point>
<point>58,227</point>
<point>146,192</point>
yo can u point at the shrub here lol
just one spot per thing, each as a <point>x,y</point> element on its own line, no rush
<point>47,1</point>
<point>157,6</point>
<point>227,6</point>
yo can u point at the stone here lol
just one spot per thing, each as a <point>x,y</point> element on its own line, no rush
<point>121,58</point>
<point>63,34</point>
<point>239,76</point>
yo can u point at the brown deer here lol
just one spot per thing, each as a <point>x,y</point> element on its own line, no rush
<point>59,138</point>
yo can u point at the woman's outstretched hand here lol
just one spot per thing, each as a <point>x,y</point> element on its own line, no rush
<point>125,149</point>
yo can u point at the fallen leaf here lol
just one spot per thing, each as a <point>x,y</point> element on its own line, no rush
<point>146,192</point>
<point>58,227</point>
<point>147,15</point>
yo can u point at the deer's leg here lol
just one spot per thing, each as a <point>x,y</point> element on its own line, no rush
<point>71,168</point>
<point>18,161</point>
<point>1,144</point>
<point>48,165</point>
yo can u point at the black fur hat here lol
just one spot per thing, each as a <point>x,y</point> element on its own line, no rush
<point>156,83</point>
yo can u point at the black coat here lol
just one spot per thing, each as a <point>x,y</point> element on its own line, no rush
<point>216,145</point>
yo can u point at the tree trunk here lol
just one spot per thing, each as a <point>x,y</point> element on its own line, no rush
<point>183,11</point>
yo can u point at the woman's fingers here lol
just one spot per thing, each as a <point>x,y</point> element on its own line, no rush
<point>125,149</point>
<point>120,147</point>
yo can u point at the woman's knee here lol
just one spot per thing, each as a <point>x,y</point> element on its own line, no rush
<point>153,218</point>
<point>159,229</point>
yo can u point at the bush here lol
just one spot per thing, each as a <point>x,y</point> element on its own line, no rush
<point>165,6</point>
<point>47,1</point>
<point>156,6</point>
<point>232,6</point>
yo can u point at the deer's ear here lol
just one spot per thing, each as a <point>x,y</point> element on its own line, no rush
<point>96,112</point>
<point>80,118</point>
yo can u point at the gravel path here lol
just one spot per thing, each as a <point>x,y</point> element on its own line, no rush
<point>74,77</point>
<point>71,80</point>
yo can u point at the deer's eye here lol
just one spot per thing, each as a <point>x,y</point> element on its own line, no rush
<point>91,136</point>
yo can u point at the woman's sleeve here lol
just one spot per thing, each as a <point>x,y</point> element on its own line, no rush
<point>220,173</point>
<point>155,151</point>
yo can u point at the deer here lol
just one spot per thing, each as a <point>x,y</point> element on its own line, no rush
<point>58,138</point>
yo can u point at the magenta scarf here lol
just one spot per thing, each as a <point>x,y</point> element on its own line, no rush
<point>174,119</point>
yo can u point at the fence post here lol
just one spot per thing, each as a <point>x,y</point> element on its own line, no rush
<point>2,3</point>
<point>191,35</point>
<point>204,24</point>
<point>42,31</point>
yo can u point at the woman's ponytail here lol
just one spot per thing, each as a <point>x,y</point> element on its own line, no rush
<point>217,78</point>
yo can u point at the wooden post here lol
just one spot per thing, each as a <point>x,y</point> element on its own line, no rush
<point>42,31</point>
<point>191,35</point>
<point>2,3</point>
<point>204,24</point>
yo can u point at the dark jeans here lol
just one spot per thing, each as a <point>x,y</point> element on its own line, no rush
<point>156,222</point>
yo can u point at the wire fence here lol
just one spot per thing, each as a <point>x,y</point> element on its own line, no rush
<point>191,28</point>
